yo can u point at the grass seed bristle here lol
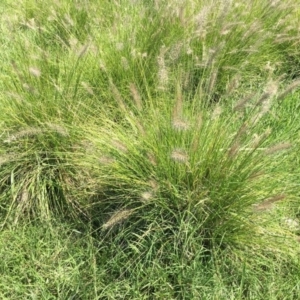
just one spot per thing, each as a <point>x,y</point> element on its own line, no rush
<point>136,96</point>
<point>279,147</point>
<point>87,88</point>
<point>119,145</point>
<point>152,159</point>
<point>35,71</point>
<point>146,196</point>
<point>24,133</point>
<point>268,203</point>
<point>58,129</point>
<point>179,155</point>
<point>289,89</point>
<point>117,217</point>
<point>180,125</point>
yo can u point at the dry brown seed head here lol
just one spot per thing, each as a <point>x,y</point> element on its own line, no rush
<point>267,132</point>
<point>35,71</point>
<point>217,112</point>
<point>233,84</point>
<point>178,108</point>
<point>265,96</point>
<point>254,28</point>
<point>212,81</point>
<point>6,158</point>
<point>119,46</point>
<point>105,160</point>
<point>268,203</point>
<point>31,24</point>
<point>146,196</point>
<point>179,155</point>
<point>82,51</point>
<point>180,125</point>
<point>256,175</point>
<point>152,159</point>
<point>234,149</point>
<point>289,89</point>
<point>117,217</point>
<point>119,145</point>
<point>272,87</point>
<point>140,127</point>
<point>87,88</point>
<point>58,128</point>
<point>24,133</point>
<point>175,51</point>
<point>279,147</point>
<point>136,96</point>
<point>201,19</point>
<point>242,130</point>
<point>23,196</point>
<point>154,185</point>
<point>118,96</point>
<point>124,63</point>
<point>163,76</point>
<point>256,140</point>
<point>69,20</point>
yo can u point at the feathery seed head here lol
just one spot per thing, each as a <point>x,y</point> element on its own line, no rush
<point>152,159</point>
<point>117,217</point>
<point>69,20</point>
<point>136,96</point>
<point>180,125</point>
<point>256,140</point>
<point>118,96</point>
<point>175,51</point>
<point>58,129</point>
<point>179,155</point>
<point>201,19</point>
<point>5,158</point>
<point>24,133</point>
<point>105,160</point>
<point>140,127</point>
<point>233,84</point>
<point>279,147</point>
<point>268,203</point>
<point>242,103</point>
<point>234,149</point>
<point>119,46</point>
<point>289,89</point>
<point>217,112</point>
<point>154,185</point>
<point>124,63</point>
<point>212,81</point>
<point>35,71</point>
<point>87,88</point>
<point>146,196</point>
<point>119,145</point>
<point>256,175</point>
<point>83,50</point>
<point>272,88</point>
<point>163,76</point>
<point>73,42</point>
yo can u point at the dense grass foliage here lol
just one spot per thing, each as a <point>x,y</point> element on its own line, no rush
<point>149,149</point>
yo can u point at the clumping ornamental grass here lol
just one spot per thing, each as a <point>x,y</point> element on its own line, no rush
<point>148,150</point>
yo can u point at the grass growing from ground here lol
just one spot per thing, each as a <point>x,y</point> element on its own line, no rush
<point>149,150</point>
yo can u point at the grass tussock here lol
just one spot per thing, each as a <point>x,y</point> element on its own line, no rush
<point>149,150</point>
